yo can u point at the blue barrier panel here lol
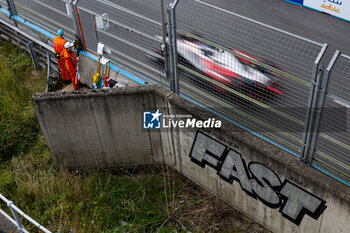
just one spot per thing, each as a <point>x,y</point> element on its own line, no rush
<point>297,2</point>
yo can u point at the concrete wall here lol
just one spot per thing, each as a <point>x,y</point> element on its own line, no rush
<point>105,129</point>
<point>97,128</point>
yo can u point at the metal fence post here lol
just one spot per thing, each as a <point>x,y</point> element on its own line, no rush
<point>310,129</point>
<point>310,101</point>
<point>48,61</point>
<point>165,44</point>
<point>11,7</point>
<point>15,215</point>
<point>33,54</point>
<point>76,21</point>
<point>320,104</point>
<point>173,47</point>
<point>170,39</point>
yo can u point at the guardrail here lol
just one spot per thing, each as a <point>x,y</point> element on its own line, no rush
<point>16,221</point>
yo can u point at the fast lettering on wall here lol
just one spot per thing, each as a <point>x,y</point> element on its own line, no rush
<point>256,180</point>
<point>338,8</point>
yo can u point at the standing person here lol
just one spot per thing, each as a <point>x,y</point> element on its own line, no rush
<point>71,64</point>
<point>58,46</point>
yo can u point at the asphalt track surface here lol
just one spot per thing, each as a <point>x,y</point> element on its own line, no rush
<point>277,13</point>
<point>220,27</point>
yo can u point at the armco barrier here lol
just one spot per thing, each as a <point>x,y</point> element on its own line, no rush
<point>252,175</point>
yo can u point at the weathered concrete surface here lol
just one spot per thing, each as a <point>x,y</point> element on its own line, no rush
<point>97,128</point>
<point>104,129</point>
<point>88,68</point>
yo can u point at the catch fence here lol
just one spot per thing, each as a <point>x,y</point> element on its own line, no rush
<point>255,74</point>
<point>129,37</point>
<point>330,148</point>
<point>261,78</point>
<point>47,14</point>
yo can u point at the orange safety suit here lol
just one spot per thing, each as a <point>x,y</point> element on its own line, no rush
<point>71,65</point>
<point>58,46</point>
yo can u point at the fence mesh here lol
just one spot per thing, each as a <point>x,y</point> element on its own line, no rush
<point>3,3</point>
<point>49,14</point>
<point>252,73</point>
<point>133,39</point>
<point>333,143</point>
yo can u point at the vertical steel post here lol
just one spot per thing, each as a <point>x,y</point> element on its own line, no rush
<point>81,32</point>
<point>165,44</point>
<point>33,55</point>
<point>312,115</point>
<point>76,21</point>
<point>320,106</point>
<point>171,57</point>
<point>48,71</point>
<point>15,215</point>
<point>11,7</point>
<point>310,101</point>
<point>74,18</point>
<point>174,82</point>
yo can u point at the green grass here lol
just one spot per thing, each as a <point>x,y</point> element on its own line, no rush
<point>18,124</point>
<point>146,199</point>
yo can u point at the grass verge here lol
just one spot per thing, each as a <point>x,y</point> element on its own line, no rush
<point>144,199</point>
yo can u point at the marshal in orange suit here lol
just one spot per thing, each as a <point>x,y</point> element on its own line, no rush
<point>71,64</point>
<point>58,46</point>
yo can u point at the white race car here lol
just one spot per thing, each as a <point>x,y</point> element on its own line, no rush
<point>236,72</point>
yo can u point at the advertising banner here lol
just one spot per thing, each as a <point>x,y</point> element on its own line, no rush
<point>298,2</point>
<point>338,8</point>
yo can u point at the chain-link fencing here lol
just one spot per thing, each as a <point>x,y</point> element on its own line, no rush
<point>264,79</point>
<point>3,3</point>
<point>24,39</point>
<point>51,15</point>
<point>251,73</point>
<point>331,146</point>
<point>131,39</point>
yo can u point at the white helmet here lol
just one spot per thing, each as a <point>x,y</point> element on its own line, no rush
<point>68,45</point>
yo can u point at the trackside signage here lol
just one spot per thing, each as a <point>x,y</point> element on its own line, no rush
<point>256,180</point>
<point>338,8</point>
